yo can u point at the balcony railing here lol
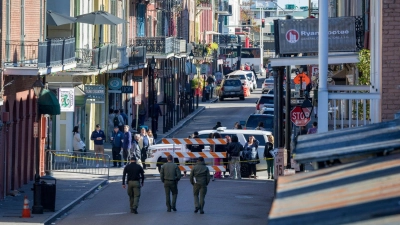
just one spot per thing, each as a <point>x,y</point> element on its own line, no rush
<point>137,55</point>
<point>49,53</point>
<point>225,39</point>
<point>160,45</point>
<point>98,57</point>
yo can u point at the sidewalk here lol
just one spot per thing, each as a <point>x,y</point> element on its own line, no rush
<point>73,188</point>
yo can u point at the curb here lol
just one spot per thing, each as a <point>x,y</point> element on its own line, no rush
<point>71,205</point>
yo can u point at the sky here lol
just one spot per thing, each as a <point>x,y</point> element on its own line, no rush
<point>299,3</point>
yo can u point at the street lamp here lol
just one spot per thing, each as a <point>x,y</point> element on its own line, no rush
<point>153,114</point>
<point>191,56</point>
<point>232,57</point>
<point>37,189</point>
<point>307,108</point>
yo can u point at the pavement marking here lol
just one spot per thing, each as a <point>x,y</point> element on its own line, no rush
<point>243,196</point>
<point>111,214</point>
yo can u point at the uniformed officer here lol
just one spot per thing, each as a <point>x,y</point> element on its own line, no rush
<point>135,182</point>
<point>170,175</point>
<point>199,177</point>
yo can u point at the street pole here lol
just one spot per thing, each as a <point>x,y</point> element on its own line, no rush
<point>288,123</point>
<point>37,188</point>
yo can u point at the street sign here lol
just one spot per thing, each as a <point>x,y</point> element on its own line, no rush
<point>35,129</point>
<point>279,162</point>
<point>298,118</point>
<point>138,100</point>
<point>127,89</point>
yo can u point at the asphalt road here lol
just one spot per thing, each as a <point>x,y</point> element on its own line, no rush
<point>227,201</point>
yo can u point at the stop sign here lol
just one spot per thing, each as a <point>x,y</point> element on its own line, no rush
<point>298,118</point>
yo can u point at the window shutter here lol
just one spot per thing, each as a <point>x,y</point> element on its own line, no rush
<point>141,20</point>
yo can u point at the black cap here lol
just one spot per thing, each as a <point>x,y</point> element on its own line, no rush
<point>201,159</point>
<point>116,127</point>
<point>196,133</point>
<point>132,158</point>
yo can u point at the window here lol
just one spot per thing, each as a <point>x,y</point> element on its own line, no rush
<point>140,20</point>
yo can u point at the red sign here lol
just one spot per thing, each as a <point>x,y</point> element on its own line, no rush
<point>292,36</point>
<point>298,118</point>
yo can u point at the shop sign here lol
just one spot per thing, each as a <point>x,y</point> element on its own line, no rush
<point>127,89</point>
<point>95,92</point>
<point>301,36</point>
<point>114,83</point>
<point>66,98</point>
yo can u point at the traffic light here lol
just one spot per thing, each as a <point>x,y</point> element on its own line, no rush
<point>262,23</point>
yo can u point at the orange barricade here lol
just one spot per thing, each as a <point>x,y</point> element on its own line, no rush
<point>246,91</point>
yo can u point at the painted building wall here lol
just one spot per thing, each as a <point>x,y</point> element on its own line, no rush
<point>390,60</point>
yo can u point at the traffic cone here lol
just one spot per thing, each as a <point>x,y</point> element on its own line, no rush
<point>26,212</point>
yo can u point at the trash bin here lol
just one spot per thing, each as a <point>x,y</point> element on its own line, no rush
<point>48,186</point>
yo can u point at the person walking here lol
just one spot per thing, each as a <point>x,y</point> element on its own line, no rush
<point>217,125</point>
<point>98,138</point>
<point>111,124</point>
<point>117,138</point>
<point>126,143</point>
<point>144,144</point>
<point>77,143</point>
<point>200,178</point>
<point>124,116</point>
<point>121,122</point>
<point>142,113</point>
<point>234,149</point>
<point>156,113</point>
<point>268,156</point>
<point>135,150</point>
<point>250,150</point>
<point>313,129</point>
<point>211,81</point>
<point>135,181</point>
<point>152,140</point>
<point>170,175</point>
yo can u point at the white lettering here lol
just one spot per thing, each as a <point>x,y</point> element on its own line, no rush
<point>332,32</point>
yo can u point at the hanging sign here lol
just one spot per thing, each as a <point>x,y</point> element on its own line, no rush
<point>66,98</point>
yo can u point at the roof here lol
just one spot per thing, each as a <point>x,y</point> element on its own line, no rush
<point>349,142</point>
<point>364,192</point>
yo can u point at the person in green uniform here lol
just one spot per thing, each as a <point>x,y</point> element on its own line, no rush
<point>170,175</point>
<point>135,181</point>
<point>199,178</point>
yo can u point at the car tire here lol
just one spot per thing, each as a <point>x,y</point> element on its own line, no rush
<point>161,162</point>
<point>242,98</point>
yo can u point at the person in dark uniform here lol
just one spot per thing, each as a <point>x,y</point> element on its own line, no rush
<point>170,175</point>
<point>200,178</point>
<point>135,181</point>
<point>196,147</point>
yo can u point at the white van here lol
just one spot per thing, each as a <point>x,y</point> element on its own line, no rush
<point>243,135</point>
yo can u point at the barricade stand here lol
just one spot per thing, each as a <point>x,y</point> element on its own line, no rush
<point>205,155</point>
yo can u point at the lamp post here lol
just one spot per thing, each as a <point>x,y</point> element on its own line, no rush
<point>191,56</point>
<point>153,113</point>
<point>37,189</point>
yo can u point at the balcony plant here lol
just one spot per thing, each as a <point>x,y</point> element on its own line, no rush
<point>211,47</point>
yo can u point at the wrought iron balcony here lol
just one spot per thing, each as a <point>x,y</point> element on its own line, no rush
<point>97,57</point>
<point>225,40</point>
<point>160,45</point>
<point>34,54</point>
<point>137,55</point>
<point>222,7</point>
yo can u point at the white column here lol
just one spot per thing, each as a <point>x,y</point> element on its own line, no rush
<point>323,66</point>
<point>376,60</point>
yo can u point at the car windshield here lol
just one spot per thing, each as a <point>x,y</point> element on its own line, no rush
<point>269,81</point>
<point>266,100</point>
<point>232,83</point>
<point>253,121</point>
<point>241,77</point>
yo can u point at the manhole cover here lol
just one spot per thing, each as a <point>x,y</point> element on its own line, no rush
<point>243,196</point>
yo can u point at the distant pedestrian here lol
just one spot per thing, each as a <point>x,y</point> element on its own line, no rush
<point>135,150</point>
<point>111,124</point>
<point>226,160</point>
<point>217,125</point>
<point>200,178</point>
<point>142,113</point>
<point>268,156</point>
<point>124,116</point>
<point>235,125</point>
<point>98,137</point>
<point>135,180</point>
<point>170,175</point>
<point>239,127</point>
<point>116,138</point>
<point>78,144</point>
<point>211,83</point>
<point>313,129</point>
<point>302,131</point>
<point>152,139</point>
<point>195,147</point>
<point>156,113</point>
<point>251,153</point>
<point>126,143</point>
<point>121,122</point>
<point>260,126</point>
<point>144,144</point>
<point>234,149</point>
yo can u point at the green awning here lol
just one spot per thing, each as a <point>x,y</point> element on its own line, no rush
<point>48,103</point>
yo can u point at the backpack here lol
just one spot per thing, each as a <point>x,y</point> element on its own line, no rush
<point>116,121</point>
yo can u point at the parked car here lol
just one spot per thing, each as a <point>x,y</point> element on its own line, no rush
<point>264,101</point>
<point>266,111</point>
<point>240,74</point>
<point>254,119</point>
<point>231,88</point>
<point>243,135</point>
<point>267,85</point>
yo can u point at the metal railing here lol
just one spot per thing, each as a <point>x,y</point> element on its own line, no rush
<point>97,57</point>
<point>78,162</point>
<point>137,55</point>
<point>160,45</point>
<point>49,53</point>
<point>349,106</point>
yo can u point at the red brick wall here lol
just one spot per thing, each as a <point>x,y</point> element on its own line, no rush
<point>390,59</point>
